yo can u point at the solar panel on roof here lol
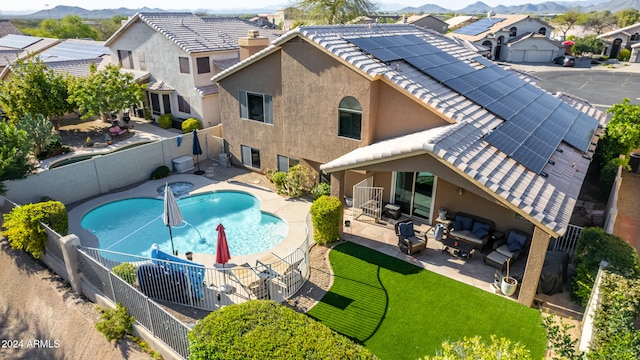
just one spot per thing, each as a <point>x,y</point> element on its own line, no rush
<point>384,55</point>
<point>18,41</point>
<point>531,159</point>
<point>581,132</point>
<point>70,50</point>
<point>501,141</point>
<point>479,26</point>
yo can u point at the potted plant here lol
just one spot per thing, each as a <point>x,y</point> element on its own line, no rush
<point>509,284</point>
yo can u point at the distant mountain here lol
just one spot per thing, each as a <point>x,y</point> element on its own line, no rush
<point>549,7</point>
<point>427,9</point>
<point>476,8</point>
<point>616,5</point>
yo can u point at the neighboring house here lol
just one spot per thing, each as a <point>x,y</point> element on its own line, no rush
<point>72,57</point>
<point>180,52</point>
<point>264,21</point>
<point>13,47</point>
<point>426,21</point>
<point>400,114</point>
<point>6,28</point>
<point>623,38</point>
<point>513,38</point>
<point>460,21</point>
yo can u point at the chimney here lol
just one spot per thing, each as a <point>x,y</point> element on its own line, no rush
<point>252,44</point>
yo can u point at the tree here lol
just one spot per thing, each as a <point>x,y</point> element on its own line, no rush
<point>599,21</point>
<point>627,17</point>
<point>104,91</point>
<point>624,126</point>
<point>336,11</point>
<point>588,44</point>
<point>14,153</point>
<point>107,27</point>
<point>566,21</point>
<point>34,89</point>
<point>39,131</point>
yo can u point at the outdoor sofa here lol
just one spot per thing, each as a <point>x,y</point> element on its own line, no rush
<point>471,229</point>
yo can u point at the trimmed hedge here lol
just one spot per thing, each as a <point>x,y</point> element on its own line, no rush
<point>320,189</point>
<point>261,329</point>
<point>23,230</point>
<point>326,213</point>
<point>593,246</point>
<point>191,124</point>
<point>165,121</point>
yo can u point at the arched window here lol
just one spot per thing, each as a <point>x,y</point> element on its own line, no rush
<point>350,117</point>
<point>543,31</point>
<point>635,37</point>
<point>513,31</point>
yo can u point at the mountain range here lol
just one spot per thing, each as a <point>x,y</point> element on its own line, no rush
<point>549,7</point>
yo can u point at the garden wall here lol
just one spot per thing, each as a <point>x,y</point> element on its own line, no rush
<point>104,173</point>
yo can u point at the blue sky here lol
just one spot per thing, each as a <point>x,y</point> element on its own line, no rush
<point>213,5</point>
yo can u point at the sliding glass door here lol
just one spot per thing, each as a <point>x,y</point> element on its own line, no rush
<point>414,192</point>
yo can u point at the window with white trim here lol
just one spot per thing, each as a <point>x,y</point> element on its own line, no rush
<point>350,118</point>
<point>255,106</point>
<point>184,65</point>
<point>285,163</point>
<point>250,156</point>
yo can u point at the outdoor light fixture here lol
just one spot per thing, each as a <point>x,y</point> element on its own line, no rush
<point>460,191</point>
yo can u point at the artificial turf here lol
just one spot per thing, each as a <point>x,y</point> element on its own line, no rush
<point>401,311</point>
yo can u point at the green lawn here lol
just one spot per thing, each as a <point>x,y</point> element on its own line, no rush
<point>400,311</point>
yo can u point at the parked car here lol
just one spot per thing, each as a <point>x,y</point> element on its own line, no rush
<point>565,60</point>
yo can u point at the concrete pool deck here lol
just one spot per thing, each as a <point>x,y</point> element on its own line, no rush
<point>292,211</point>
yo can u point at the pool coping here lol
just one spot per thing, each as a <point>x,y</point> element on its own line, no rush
<point>292,211</point>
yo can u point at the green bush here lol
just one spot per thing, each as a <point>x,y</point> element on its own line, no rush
<point>299,181</point>
<point>593,246</point>
<point>266,330</point>
<point>165,121</point>
<point>191,124</point>
<point>278,179</point>
<point>326,214</point>
<point>624,55</point>
<point>320,189</point>
<point>474,348</point>
<point>53,149</point>
<point>615,336</point>
<point>127,272</point>
<point>116,323</point>
<point>160,172</point>
<point>146,112</point>
<point>23,229</point>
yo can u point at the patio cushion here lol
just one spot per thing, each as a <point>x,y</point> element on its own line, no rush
<point>457,224</point>
<point>406,229</point>
<point>466,221</point>
<point>480,229</point>
<point>516,241</point>
<point>504,250</point>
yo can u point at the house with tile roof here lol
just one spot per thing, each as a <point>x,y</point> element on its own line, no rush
<point>178,53</point>
<point>6,28</point>
<point>624,38</point>
<point>513,38</point>
<point>426,21</point>
<point>15,46</point>
<point>397,114</point>
<point>460,21</point>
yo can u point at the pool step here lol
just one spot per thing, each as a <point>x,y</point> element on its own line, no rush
<point>210,172</point>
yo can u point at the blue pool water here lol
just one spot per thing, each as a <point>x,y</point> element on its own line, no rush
<point>132,225</point>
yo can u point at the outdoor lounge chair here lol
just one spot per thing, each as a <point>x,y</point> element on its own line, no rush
<point>254,285</point>
<point>409,241</point>
<point>512,246</point>
<point>116,131</point>
<point>194,272</point>
<point>275,266</point>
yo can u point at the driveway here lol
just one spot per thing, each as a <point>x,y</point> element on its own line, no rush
<point>600,85</point>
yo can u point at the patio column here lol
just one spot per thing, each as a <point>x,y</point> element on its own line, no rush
<point>337,190</point>
<point>535,260</point>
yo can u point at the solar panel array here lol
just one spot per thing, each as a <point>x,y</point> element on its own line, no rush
<point>74,50</point>
<point>18,41</point>
<point>536,121</point>
<point>478,27</point>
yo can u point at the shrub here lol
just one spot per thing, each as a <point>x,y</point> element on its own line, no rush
<point>320,189</point>
<point>298,181</point>
<point>53,149</point>
<point>615,336</point>
<point>624,55</point>
<point>326,214</point>
<point>146,112</point>
<point>116,323</point>
<point>474,348</point>
<point>165,121</point>
<point>266,330</point>
<point>560,340</point>
<point>23,229</point>
<point>160,172</point>
<point>269,174</point>
<point>127,272</point>
<point>593,246</point>
<point>278,179</point>
<point>191,124</point>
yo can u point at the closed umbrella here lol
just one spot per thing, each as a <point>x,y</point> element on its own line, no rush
<point>222,252</point>
<point>171,216</point>
<point>197,151</point>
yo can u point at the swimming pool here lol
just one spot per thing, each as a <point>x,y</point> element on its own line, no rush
<point>131,226</point>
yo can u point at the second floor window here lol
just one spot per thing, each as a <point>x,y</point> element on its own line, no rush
<point>542,31</point>
<point>203,65</point>
<point>256,107</point>
<point>183,105</point>
<point>350,118</point>
<point>513,32</point>
<point>184,65</point>
<point>125,59</point>
<point>635,37</point>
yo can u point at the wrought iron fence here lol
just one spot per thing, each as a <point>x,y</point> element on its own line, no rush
<point>567,242</point>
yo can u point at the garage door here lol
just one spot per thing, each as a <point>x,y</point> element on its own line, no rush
<point>517,56</point>
<point>539,56</point>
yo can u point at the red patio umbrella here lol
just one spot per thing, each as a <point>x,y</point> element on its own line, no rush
<point>222,253</point>
<point>568,43</point>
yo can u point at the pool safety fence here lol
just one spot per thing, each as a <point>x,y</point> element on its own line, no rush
<point>147,313</point>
